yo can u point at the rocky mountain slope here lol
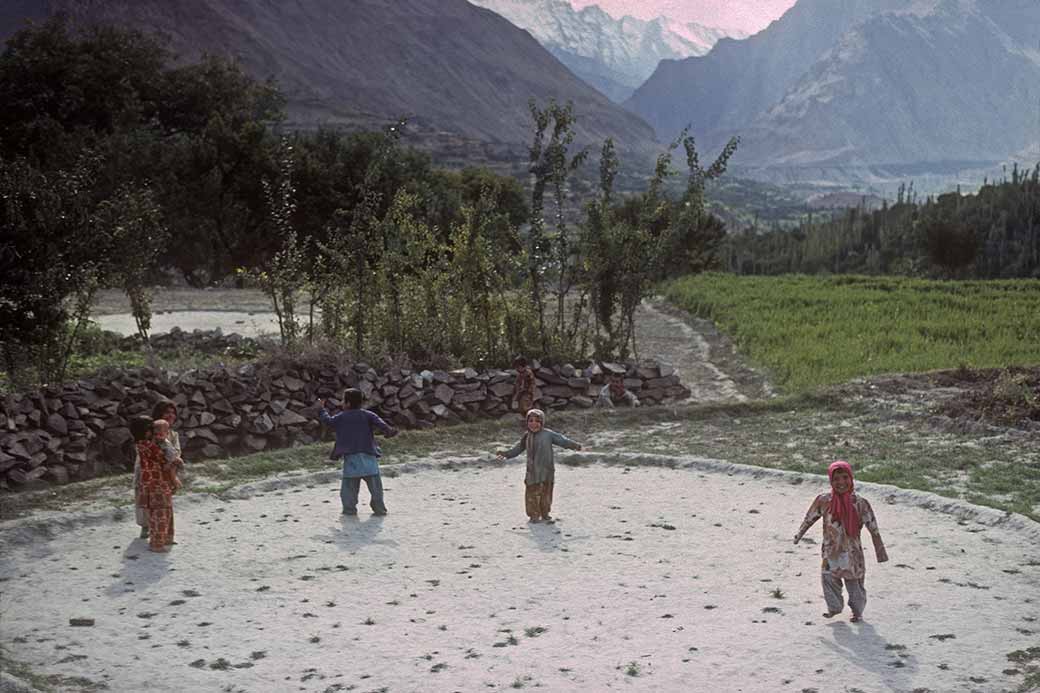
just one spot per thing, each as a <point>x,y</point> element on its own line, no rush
<point>460,72</point>
<point>949,86</point>
<point>889,87</point>
<point>613,55</point>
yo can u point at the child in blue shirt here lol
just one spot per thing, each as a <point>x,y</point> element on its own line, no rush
<point>356,444</point>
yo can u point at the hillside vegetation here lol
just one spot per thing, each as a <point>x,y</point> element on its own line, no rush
<point>992,234</point>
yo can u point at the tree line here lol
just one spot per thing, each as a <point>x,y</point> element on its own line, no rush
<point>120,165</point>
<point>992,234</point>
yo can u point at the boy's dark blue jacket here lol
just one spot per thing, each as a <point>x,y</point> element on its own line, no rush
<point>354,431</point>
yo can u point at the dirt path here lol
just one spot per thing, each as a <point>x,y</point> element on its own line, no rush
<point>706,360</point>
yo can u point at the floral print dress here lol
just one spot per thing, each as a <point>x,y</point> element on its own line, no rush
<point>842,554</point>
<point>156,494</point>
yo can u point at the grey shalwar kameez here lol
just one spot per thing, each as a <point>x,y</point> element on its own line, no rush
<point>541,469</point>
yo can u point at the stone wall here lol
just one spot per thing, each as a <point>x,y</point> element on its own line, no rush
<point>80,430</point>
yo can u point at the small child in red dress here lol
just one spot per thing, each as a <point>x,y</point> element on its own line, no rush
<point>155,492</point>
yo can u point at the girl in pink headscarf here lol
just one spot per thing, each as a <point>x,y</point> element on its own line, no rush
<point>844,515</point>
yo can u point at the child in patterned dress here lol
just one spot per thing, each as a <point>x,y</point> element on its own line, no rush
<point>172,455</point>
<point>155,492</point>
<point>844,514</point>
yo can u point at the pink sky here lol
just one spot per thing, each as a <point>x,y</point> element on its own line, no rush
<point>749,15</point>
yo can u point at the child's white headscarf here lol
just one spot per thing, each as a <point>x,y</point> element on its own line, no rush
<point>527,433</point>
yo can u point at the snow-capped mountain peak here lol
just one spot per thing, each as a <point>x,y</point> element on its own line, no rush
<point>615,55</point>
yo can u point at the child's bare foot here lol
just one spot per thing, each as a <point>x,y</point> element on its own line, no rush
<point>830,614</point>
<point>533,520</point>
<point>856,618</point>
<point>160,549</point>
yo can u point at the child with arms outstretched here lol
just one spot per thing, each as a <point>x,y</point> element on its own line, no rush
<point>844,515</point>
<point>356,445</point>
<point>538,442</point>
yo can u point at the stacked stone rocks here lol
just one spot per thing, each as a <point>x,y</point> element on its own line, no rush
<point>197,341</point>
<point>81,430</point>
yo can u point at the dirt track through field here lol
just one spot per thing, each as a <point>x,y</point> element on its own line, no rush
<point>706,361</point>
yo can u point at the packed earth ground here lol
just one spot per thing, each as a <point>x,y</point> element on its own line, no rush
<point>671,565</point>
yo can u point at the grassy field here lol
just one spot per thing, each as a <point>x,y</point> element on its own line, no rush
<point>812,331</point>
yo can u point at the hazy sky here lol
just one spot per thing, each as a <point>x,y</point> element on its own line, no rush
<point>749,15</point>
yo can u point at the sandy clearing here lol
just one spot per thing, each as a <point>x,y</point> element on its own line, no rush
<point>244,323</point>
<point>454,571</point>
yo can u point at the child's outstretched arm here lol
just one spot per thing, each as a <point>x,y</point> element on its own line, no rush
<point>380,425</point>
<point>869,520</point>
<point>323,413</point>
<point>815,513</point>
<point>512,452</point>
<point>564,442</point>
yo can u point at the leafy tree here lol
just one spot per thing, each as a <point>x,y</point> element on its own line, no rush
<point>133,221</point>
<point>628,247</point>
<point>50,268</point>
<point>408,263</point>
<point>286,274</point>
<point>64,92</point>
<point>691,242</point>
<point>483,265</point>
<point>219,149</point>
<point>330,173</point>
<point>57,248</point>
<point>549,251</point>
<point>197,135</point>
<point>355,241</point>
<point>950,242</point>
<point>608,246</point>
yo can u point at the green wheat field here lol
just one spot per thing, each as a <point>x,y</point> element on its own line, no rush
<point>812,331</point>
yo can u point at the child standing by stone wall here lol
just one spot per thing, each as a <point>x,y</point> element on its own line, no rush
<point>523,387</point>
<point>154,491</point>
<point>356,445</point>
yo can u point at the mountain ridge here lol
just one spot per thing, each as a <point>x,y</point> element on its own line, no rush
<point>461,72</point>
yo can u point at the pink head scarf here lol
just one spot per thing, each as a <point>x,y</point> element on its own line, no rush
<point>842,507</point>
